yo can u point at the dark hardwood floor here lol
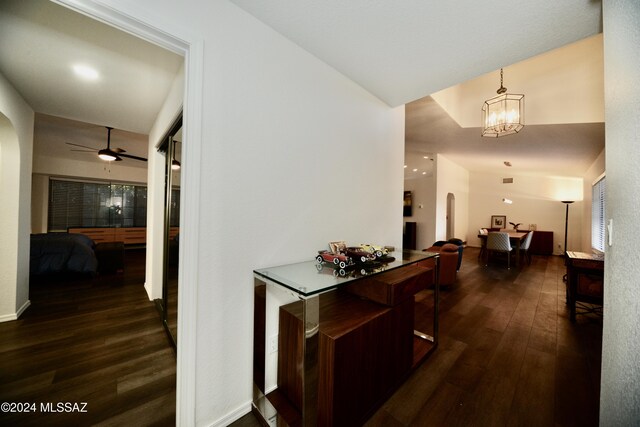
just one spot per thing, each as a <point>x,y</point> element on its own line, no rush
<point>508,355</point>
<point>97,341</point>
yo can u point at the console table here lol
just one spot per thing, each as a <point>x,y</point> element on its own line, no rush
<point>339,340</point>
<point>585,281</point>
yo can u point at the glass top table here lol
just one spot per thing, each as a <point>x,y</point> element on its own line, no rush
<point>288,314</point>
<point>311,278</point>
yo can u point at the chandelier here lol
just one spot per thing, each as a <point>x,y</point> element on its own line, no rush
<point>503,114</point>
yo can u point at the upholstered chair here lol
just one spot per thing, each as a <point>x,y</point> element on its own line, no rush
<point>524,247</point>
<point>499,242</point>
<point>460,244</point>
<point>448,263</point>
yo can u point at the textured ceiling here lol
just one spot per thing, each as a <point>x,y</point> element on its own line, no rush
<point>404,50</point>
<point>40,41</point>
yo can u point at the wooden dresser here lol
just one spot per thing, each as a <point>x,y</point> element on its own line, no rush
<point>127,235</point>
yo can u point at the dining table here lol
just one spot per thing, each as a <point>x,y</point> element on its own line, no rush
<point>516,237</point>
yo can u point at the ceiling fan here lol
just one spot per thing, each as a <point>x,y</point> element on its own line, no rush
<point>108,154</point>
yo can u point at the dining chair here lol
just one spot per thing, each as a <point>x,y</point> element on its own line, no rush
<point>524,247</point>
<point>499,242</point>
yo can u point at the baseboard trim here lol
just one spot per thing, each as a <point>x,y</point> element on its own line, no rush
<point>17,314</point>
<point>233,416</point>
<point>147,287</point>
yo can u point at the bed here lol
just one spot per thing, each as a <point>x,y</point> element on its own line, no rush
<point>53,253</point>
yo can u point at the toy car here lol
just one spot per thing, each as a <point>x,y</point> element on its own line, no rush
<point>341,260</point>
<point>358,255</point>
<point>378,251</point>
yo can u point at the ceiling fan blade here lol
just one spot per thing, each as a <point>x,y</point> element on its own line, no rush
<point>119,150</point>
<point>83,146</point>
<point>129,156</point>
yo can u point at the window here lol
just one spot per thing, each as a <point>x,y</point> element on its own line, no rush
<point>597,215</point>
<point>95,204</point>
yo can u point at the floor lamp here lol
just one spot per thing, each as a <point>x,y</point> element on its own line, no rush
<point>566,228</point>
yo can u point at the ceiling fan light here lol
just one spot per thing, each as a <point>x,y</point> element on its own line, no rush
<point>107,155</point>
<point>175,165</point>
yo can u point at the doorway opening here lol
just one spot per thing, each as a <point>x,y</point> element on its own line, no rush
<point>451,215</point>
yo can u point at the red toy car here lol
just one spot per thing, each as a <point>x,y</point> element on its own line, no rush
<point>341,260</point>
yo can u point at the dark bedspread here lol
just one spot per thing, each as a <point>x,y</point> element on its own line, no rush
<point>62,253</point>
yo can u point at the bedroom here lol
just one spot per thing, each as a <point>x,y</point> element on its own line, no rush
<point>137,91</point>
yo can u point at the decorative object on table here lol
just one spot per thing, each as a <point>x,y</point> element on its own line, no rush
<point>359,255</point>
<point>338,246</point>
<point>377,250</point>
<point>366,257</point>
<point>515,226</point>
<point>533,227</point>
<point>498,221</point>
<point>408,204</point>
<point>503,114</point>
<point>337,259</point>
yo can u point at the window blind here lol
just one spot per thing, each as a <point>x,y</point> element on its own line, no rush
<point>598,215</point>
<point>92,204</point>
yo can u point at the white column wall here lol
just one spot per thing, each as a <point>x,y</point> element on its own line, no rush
<point>423,192</point>
<point>451,178</point>
<point>620,386</point>
<point>170,111</point>
<point>16,152</point>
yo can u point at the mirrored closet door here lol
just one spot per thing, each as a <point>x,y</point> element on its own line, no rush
<point>171,148</point>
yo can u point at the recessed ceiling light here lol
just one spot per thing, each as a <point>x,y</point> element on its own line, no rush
<point>424,173</point>
<point>425,157</point>
<point>405,166</point>
<point>85,72</point>
<point>415,170</point>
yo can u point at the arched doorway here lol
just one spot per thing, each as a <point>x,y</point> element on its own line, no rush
<point>451,215</point>
<point>14,290</point>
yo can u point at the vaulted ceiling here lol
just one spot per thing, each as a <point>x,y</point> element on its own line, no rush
<point>402,52</point>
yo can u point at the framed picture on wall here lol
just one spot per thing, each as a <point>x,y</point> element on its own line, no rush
<point>498,221</point>
<point>408,204</point>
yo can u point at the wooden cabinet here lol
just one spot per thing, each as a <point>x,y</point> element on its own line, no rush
<point>364,351</point>
<point>365,340</point>
<point>542,243</point>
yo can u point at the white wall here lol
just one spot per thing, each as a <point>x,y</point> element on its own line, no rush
<point>620,386</point>
<point>431,193</point>
<point>16,151</point>
<point>592,174</point>
<point>291,155</point>
<point>536,200</point>
<point>454,179</point>
<point>423,193</point>
<point>170,111</point>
